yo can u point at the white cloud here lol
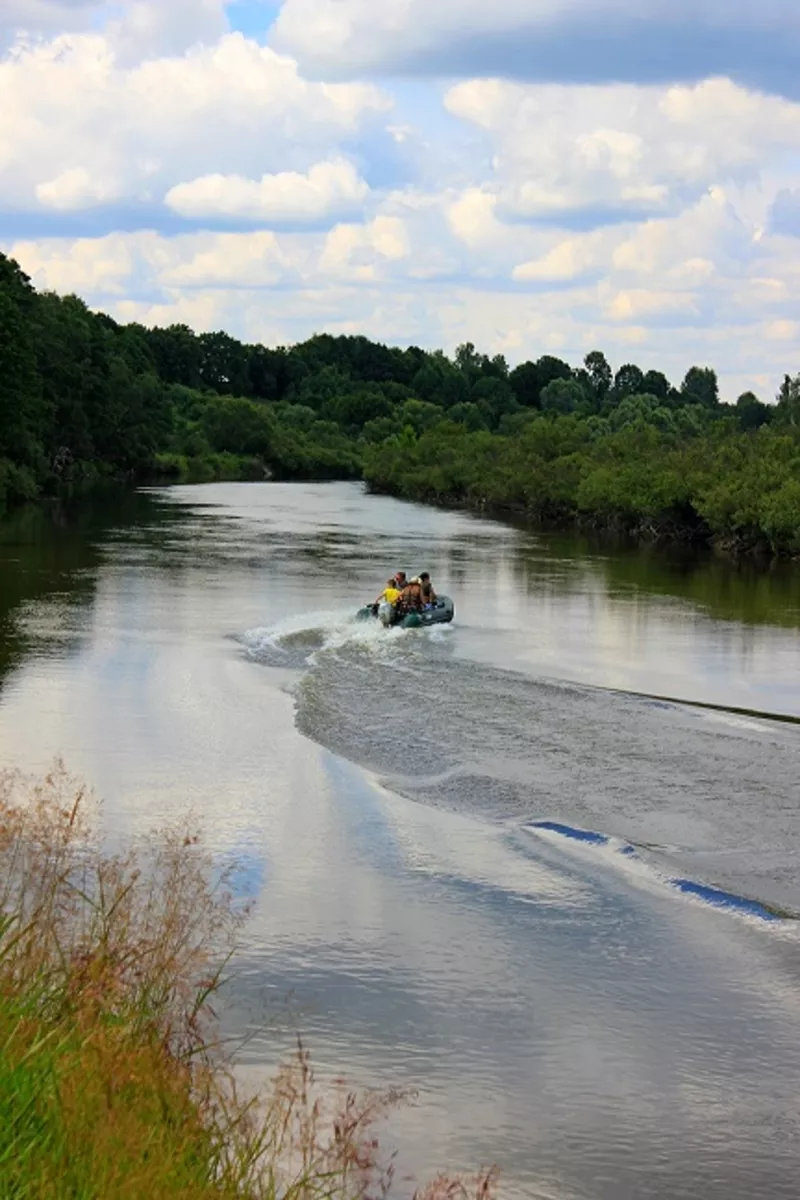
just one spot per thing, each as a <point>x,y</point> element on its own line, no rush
<point>527,218</point>
<point>632,306</point>
<point>44,16</point>
<point>570,40</point>
<point>148,27</point>
<point>737,314</point>
<point>783,331</point>
<point>358,251</point>
<point>568,260</point>
<point>73,121</point>
<point>472,218</point>
<point>560,151</point>
<point>136,28</point>
<point>72,190</point>
<point>328,187</point>
<point>92,267</point>
<point>253,260</point>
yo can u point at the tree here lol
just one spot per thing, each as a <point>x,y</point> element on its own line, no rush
<point>223,364</point>
<point>549,368</point>
<point>468,414</point>
<point>599,372</point>
<point>656,384</point>
<point>751,413</point>
<point>628,381</point>
<point>440,383</point>
<point>495,398</point>
<point>563,396</point>
<point>524,380</point>
<point>20,386</point>
<point>468,361</point>
<point>700,386</point>
<point>178,355</point>
<point>354,408</point>
<point>789,401</point>
<point>238,426</point>
<point>266,373</point>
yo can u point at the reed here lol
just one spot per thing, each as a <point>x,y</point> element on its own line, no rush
<point>112,1081</point>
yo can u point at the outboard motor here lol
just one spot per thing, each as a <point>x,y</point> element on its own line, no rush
<point>386,613</point>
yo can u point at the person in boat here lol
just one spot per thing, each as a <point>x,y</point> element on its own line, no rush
<point>391,593</point>
<point>428,594</point>
<point>410,598</point>
<point>400,580</point>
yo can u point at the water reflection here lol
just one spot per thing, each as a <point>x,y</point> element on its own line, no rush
<point>558,1008</point>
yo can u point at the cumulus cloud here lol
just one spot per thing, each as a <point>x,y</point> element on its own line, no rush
<point>77,128</point>
<point>329,187</point>
<point>356,252</point>
<point>676,290</point>
<point>93,267</point>
<point>44,16</point>
<point>147,27</point>
<point>573,41</point>
<point>136,28</point>
<point>568,260</point>
<point>601,154</point>
<point>657,221</point>
<point>785,212</point>
<point>73,190</point>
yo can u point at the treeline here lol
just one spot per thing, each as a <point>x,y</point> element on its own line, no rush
<point>82,396</point>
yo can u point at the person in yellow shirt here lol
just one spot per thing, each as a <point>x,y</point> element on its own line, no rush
<point>390,593</point>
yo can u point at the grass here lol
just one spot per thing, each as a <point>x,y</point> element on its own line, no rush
<point>112,1083</point>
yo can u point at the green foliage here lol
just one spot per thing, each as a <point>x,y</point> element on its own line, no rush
<point>562,396</point>
<point>83,397</point>
<point>700,387</point>
<point>646,469</point>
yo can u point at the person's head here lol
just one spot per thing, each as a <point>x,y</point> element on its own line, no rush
<point>400,579</point>
<point>392,583</point>
<point>424,577</point>
<point>416,581</point>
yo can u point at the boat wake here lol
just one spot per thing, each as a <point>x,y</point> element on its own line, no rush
<point>295,642</point>
<point>637,866</point>
<point>674,788</point>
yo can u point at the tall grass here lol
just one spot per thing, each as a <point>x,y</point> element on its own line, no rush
<point>111,1082</point>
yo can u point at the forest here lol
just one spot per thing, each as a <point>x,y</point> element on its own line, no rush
<point>85,399</point>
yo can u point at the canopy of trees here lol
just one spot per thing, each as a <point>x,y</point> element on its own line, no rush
<point>82,397</point>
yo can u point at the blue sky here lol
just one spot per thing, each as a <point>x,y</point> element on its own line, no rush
<point>536,176</point>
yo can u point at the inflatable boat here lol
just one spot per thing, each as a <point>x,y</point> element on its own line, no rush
<point>440,613</point>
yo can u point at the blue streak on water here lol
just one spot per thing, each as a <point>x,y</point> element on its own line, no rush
<point>688,887</point>
<point>569,831</point>
<point>722,899</point>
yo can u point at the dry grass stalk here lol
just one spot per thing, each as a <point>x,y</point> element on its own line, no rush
<point>108,968</point>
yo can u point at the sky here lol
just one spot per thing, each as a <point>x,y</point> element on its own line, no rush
<point>534,176</point>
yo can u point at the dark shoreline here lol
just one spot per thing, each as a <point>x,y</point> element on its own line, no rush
<point>612,534</point>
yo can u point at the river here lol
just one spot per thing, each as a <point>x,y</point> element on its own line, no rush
<point>539,866</point>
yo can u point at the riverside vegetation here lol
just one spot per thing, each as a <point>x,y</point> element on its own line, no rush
<point>111,1085</point>
<point>83,398</point>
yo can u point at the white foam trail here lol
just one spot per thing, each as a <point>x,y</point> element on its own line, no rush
<point>332,629</point>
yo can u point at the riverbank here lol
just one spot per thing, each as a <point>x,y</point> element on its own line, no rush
<point>602,531</point>
<point>111,1081</point>
<point>737,493</point>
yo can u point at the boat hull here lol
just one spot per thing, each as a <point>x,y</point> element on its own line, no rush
<point>441,613</point>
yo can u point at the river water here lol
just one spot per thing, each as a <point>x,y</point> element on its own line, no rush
<point>539,866</point>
